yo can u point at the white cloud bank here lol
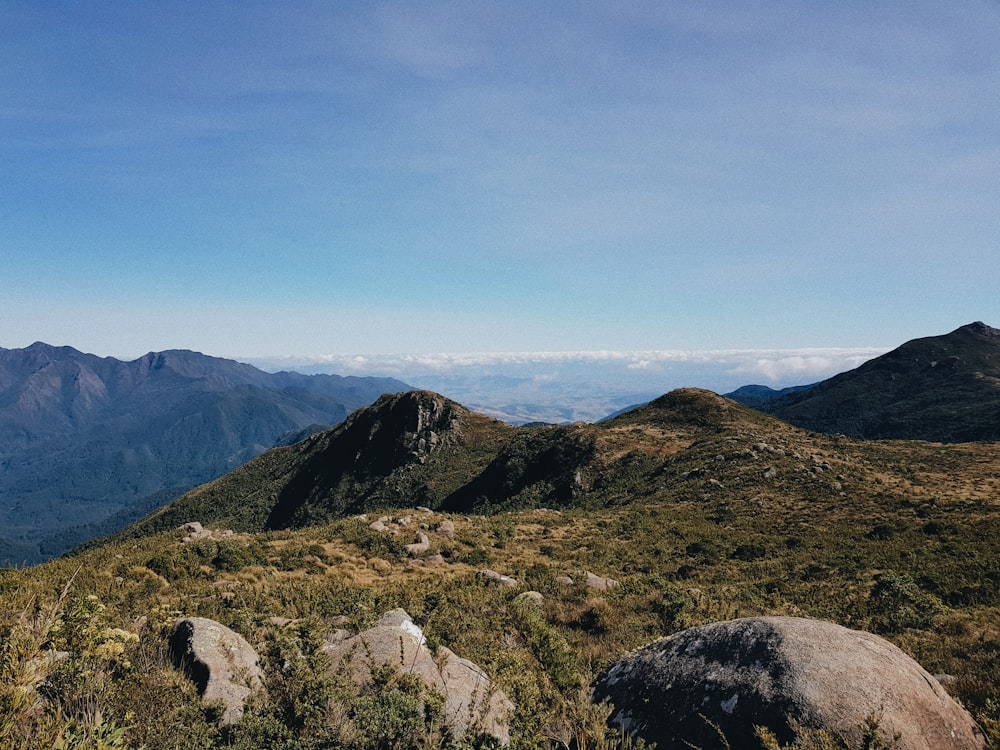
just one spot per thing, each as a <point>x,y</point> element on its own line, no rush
<point>583,385</point>
<point>776,367</point>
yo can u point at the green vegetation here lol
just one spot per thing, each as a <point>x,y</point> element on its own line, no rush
<point>701,509</point>
<point>680,564</point>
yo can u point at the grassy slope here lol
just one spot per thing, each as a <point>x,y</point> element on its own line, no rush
<point>702,509</point>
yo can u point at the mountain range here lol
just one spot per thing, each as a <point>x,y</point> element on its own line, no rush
<point>88,444</point>
<point>540,554</point>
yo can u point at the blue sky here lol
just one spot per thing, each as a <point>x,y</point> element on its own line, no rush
<point>258,179</point>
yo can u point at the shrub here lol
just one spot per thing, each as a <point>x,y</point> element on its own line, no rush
<point>896,602</point>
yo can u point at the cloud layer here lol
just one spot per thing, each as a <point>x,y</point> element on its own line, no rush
<point>583,385</point>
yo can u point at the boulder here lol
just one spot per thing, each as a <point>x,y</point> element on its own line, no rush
<point>471,702</point>
<point>221,663</point>
<point>779,672</point>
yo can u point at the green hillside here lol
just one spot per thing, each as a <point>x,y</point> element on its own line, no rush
<point>700,508</point>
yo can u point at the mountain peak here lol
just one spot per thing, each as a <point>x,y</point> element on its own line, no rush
<point>693,408</point>
<point>940,388</point>
<point>978,329</point>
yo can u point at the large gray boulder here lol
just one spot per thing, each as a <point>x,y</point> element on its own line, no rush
<point>727,677</point>
<point>221,663</point>
<point>472,704</point>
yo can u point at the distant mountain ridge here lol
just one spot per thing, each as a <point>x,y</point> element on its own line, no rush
<point>938,388</point>
<point>87,441</point>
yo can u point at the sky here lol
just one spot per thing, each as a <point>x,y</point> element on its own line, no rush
<point>321,179</point>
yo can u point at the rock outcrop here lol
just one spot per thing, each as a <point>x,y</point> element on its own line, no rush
<point>727,677</point>
<point>472,704</point>
<point>221,663</point>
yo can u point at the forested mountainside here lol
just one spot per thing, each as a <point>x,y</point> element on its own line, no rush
<point>88,444</point>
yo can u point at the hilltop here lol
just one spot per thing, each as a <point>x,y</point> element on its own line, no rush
<point>421,449</point>
<point>88,444</point>
<point>939,388</point>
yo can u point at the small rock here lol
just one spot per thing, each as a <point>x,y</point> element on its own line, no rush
<point>493,577</point>
<point>596,582</point>
<point>447,527</point>
<point>420,546</point>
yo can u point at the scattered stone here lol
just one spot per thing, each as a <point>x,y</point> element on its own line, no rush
<point>220,662</point>
<point>447,527</point>
<point>196,531</point>
<point>770,473</point>
<point>471,702</point>
<point>530,597</point>
<point>378,526</point>
<point>588,579</point>
<point>424,509</point>
<point>420,546</point>
<point>596,582</point>
<point>493,577</point>
<point>436,560</point>
<point>820,465</point>
<point>726,677</point>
